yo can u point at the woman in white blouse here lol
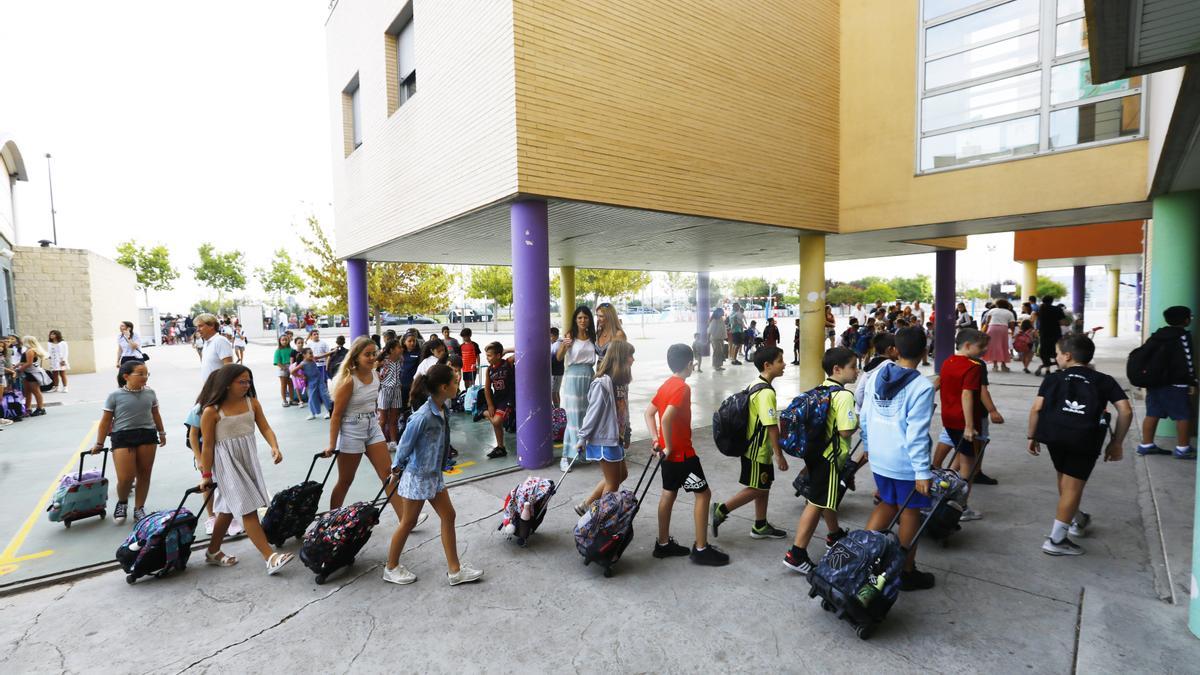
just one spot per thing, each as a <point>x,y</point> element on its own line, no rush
<point>578,354</point>
<point>57,362</point>
<point>129,344</point>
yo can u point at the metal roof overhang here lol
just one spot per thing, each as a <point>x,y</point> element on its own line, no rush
<point>1135,37</point>
<point>613,237</point>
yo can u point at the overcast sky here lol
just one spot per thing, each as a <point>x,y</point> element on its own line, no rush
<point>180,124</point>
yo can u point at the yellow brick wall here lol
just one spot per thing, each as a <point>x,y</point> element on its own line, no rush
<point>706,107</point>
<point>879,188</point>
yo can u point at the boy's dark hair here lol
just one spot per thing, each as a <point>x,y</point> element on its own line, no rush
<point>340,341</point>
<point>439,375</point>
<point>969,336</point>
<point>1048,300</point>
<point>838,356</point>
<point>554,331</point>
<point>910,342</point>
<point>446,328</point>
<point>1177,315</point>
<point>494,347</point>
<point>1026,324</point>
<point>883,342</point>
<point>455,361</point>
<point>679,356</point>
<point>1079,346</point>
<point>766,355</point>
<point>853,321</point>
<point>465,333</point>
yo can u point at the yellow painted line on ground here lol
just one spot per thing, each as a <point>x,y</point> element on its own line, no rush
<point>9,557</point>
<point>454,471</point>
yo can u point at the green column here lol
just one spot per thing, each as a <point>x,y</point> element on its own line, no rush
<point>1175,280</point>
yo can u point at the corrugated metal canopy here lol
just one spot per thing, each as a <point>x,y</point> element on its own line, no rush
<point>1141,36</point>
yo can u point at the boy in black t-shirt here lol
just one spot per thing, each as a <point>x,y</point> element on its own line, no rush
<point>1070,408</point>
<point>499,382</point>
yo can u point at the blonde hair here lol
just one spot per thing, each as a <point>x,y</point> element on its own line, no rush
<point>350,363</point>
<point>31,344</point>
<point>615,363</point>
<point>206,319</point>
<point>612,324</point>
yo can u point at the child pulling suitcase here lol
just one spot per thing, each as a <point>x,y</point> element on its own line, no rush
<point>162,541</point>
<point>604,532</point>
<point>81,495</point>
<point>525,507</point>
<point>332,541</point>
<point>293,508</point>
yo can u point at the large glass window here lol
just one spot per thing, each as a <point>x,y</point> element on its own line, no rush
<point>1003,79</point>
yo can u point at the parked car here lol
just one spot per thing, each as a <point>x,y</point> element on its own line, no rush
<point>390,319</point>
<point>639,310</point>
<point>467,315</point>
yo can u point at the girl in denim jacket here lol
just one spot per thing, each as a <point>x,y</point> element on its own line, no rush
<point>420,456</point>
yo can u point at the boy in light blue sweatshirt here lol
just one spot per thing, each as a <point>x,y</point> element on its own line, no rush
<point>895,419</point>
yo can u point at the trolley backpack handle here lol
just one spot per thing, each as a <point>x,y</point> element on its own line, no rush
<point>645,490</point>
<point>392,478</point>
<point>319,455</point>
<point>103,463</point>
<point>555,484</point>
<point>187,493</point>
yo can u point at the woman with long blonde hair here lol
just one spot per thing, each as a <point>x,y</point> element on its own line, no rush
<point>32,375</point>
<point>354,428</point>
<point>603,435</point>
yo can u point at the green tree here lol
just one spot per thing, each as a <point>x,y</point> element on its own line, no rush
<point>280,279</point>
<point>151,266</point>
<point>976,294</point>
<point>612,284</point>
<point>844,294</point>
<point>404,288</point>
<point>751,287</point>
<point>913,288</point>
<point>492,281</point>
<point>1046,286</point>
<point>221,271</point>
<point>877,292</point>
<point>217,307</point>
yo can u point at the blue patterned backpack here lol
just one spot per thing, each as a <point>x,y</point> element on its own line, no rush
<point>804,421</point>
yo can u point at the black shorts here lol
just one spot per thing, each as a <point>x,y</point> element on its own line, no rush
<point>757,475</point>
<point>965,449</point>
<point>1074,461</point>
<point>132,438</point>
<point>468,378</point>
<point>822,481</point>
<point>687,474</point>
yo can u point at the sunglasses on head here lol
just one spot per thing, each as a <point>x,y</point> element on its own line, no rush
<point>604,305</point>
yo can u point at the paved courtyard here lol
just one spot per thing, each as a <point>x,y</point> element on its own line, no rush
<point>1000,605</point>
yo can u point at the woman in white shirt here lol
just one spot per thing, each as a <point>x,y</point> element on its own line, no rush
<point>578,354</point>
<point>57,362</point>
<point>129,344</point>
<point>999,322</point>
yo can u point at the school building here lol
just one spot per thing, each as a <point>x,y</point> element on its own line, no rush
<point>705,135</point>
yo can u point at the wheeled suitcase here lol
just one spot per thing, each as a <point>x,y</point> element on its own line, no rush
<point>81,495</point>
<point>858,578</point>
<point>332,541</point>
<point>162,541</point>
<point>526,505</point>
<point>293,508</point>
<point>950,492</point>
<point>604,532</point>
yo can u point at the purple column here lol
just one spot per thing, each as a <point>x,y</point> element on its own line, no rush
<point>1078,290</point>
<point>702,310</point>
<point>356,292</point>
<point>531,303</point>
<point>943,298</point>
<point>1137,307</point>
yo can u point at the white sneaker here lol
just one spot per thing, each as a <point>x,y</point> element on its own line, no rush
<point>311,417</point>
<point>391,447</point>
<point>1064,547</point>
<point>327,415</point>
<point>466,574</point>
<point>209,524</point>
<point>398,575</point>
<point>564,465</point>
<point>54,390</point>
<point>63,390</point>
<point>1079,525</point>
<point>970,514</point>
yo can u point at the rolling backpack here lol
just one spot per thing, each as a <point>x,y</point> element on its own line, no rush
<point>293,508</point>
<point>732,420</point>
<point>81,495</point>
<point>162,541</point>
<point>805,421</point>
<point>332,541</point>
<point>1072,411</point>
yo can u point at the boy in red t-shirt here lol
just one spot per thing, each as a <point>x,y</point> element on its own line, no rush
<point>469,350</point>
<point>669,419</point>
<point>960,382</point>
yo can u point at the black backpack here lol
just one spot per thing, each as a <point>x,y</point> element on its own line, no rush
<point>1072,411</point>
<point>1150,364</point>
<point>732,420</point>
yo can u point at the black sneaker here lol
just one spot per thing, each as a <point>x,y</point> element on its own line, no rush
<point>119,512</point>
<point>711,556</point>
<point>832,537</point>
<point>916,580</point>
<point>767,531</point>
<point>669,549</point>
<point>798,562</point>
<point>497,452</point>
<point>453,451</point>
<point>38,412</point>
<point>982,478</point>
<point>735,362</point>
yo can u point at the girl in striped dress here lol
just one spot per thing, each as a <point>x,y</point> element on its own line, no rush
<point>578,354</point>
<point>230,458</point>
<point>391,396</point>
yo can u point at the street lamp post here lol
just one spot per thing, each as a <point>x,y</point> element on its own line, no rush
<point>53,220</point>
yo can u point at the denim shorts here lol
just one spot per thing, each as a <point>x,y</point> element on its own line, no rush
<point>606,453</point>
<point>358,432</point>
<point>1169,402</point>
<point>894,491</point>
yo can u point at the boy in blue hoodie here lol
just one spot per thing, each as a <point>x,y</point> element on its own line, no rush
<point>895,424</point>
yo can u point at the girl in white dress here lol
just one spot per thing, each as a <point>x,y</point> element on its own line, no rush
<point>230,458</point>
<point>58,362</point>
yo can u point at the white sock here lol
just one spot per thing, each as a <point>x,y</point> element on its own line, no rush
<point>1182,448</point>
<point>700,549</point>
<point>1059,531</point>
<point>1145,445</point>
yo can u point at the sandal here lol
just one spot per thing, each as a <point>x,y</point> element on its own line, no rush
<point>219,559</point>
<point>277,561</point>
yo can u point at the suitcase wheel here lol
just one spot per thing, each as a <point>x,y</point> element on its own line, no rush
<point>130,579</point>
<point>103,514</point>
<point>864,631</point>
<point>608,572</point>
<point>812,591</point>
<point>826,605</point>
<point>67,524</point>
<point>320,579</point>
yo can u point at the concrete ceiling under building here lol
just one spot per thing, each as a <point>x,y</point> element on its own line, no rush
<point>601,236</point>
